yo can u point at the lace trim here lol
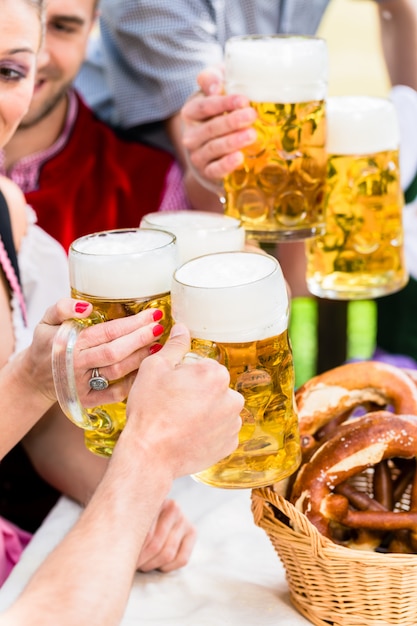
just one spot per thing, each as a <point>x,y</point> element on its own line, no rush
<point>12,278</point>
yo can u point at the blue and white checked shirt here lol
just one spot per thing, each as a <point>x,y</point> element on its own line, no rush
<point>144,66</point>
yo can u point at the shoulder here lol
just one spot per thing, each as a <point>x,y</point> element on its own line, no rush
<point>17,208</point>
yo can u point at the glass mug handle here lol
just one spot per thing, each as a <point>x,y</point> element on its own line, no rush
<point>64,379</point>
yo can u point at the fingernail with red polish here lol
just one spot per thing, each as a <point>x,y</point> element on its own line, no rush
<point>155,348</point>
<point>157,330</point>
<point>157,315</point>
<point>80,307</point>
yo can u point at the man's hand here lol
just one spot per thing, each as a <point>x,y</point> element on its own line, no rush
<point>216,127</point>
<point>182,414</point>
<point>170,541</point>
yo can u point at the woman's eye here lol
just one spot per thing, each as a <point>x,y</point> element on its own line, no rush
<point>11,73</point>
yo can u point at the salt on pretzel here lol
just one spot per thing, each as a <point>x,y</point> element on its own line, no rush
<point>358,444</point>
<point>333,395</point>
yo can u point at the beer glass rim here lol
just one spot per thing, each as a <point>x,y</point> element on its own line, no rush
<point>73,246</point>
<point>275,267</point>
<point>226,222</point>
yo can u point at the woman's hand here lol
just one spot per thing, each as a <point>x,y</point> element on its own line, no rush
<point>116,348</point>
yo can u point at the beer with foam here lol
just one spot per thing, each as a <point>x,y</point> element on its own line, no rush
<point>236,307</point>
<point>198,232</point>
<point>278,191</point>
<point>361,253</point>
<point>121,273</point>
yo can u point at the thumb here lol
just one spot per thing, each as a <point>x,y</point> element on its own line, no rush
<point>210,81</point>
<point>66,308</point>
<point>177,345</point>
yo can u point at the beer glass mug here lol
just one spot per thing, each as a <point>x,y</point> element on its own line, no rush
<point>198,232</point>
<point>121,272</point>
<point>278,191</point>
<point>361,253</point>
<point>235,305</point>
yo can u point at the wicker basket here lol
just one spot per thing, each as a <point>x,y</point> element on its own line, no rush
<point>332,584</point>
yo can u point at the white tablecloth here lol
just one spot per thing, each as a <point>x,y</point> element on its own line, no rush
<point>233,578</point>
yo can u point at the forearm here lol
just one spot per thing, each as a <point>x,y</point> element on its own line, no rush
<point>56,449</point>
<point>200,197</point>
<point>86,580</point>
<point>398,22</point>
<point>21,402</point>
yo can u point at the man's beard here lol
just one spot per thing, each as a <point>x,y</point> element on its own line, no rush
<point>28,121</point>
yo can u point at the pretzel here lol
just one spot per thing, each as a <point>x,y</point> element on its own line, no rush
<point>321,490</point>
<point>411,373</point>
<point>327,400</point>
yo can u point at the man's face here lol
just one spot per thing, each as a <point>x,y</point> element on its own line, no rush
<point>68,25</point>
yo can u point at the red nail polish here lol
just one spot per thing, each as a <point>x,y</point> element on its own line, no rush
<point>80,307</point>
<point>157,330</point>
<point>157,315</point>
<point>155,348</point>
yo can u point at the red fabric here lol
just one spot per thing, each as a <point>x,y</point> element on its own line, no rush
<point>97,182</point>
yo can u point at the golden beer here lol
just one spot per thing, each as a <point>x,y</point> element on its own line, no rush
<point>361,254</point>
<point>198,232</point>
<point>103,438</point>
<point>121,273</point>
<point>236,307</point>
<point>278,191</point>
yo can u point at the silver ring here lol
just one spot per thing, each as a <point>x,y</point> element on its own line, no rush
<point>98,382</point>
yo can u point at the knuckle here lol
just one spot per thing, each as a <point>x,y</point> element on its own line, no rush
<point>215,171</point>
<point>155,546</point>
<point>169,553</point>
<point>107,353</point>
<point>196,159</point>
<point>182,560</point>
<point>172,508</point>
<point>216,147</point>
<point>116,372</point>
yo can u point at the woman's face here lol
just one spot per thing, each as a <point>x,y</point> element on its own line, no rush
<point>20,34</point>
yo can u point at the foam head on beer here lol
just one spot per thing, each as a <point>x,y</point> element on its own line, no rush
<point>277,191</point>
<point>123,264</point>
<point>198,232</point>
<point>231,297</point>
<point>235,305</point>
<point>361,253</point>
<point>361,125</point>
<point>277,68</point>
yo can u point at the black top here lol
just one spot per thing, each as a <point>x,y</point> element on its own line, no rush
<point>25,498</point>
<point>6,234</point>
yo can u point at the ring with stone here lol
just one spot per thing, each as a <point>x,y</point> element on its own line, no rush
<point>98,382</point>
